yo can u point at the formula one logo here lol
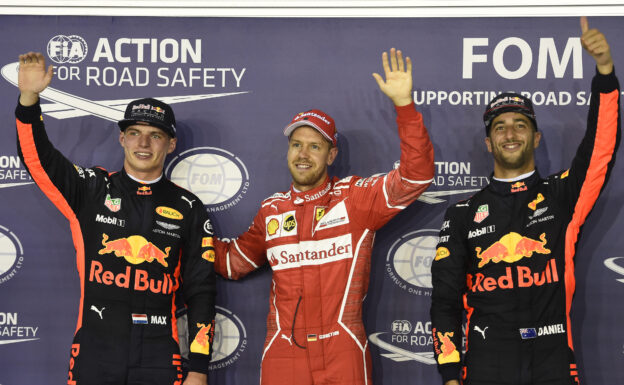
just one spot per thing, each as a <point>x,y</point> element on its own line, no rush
<point>406,341</point>
<point>616,267</point>
<point>218,177</point>
<point>230,339</point>
<point>11,254</point>
<point>511,248</point>
<point>67,49</point>
<point>135,249</point>
<point>408,262</point>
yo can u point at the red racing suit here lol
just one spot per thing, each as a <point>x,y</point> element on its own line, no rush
<point>318,244</point>
<point>506,257</point>
<point>136,244</point>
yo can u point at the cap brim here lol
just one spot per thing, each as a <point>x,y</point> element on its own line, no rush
<point>125,123</point>
<point>291,127</point>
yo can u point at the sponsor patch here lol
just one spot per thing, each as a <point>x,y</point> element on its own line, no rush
<point>113,204</point>
<point>207,242</point>
<point>482,212</point>
<point>144,190</point>
<point>168,226</point>
<point>308,253</point>
<point>168,212</point>
<point>281,225</point>
<point>518,186</point>
<point>539,199</point>
<point>441,253</point>
<point>336,216</point>
<point>290,223</point>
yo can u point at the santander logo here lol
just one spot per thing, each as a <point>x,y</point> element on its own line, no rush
<point>310,252</point>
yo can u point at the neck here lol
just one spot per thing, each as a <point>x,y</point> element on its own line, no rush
<point>501,172</point>
<point>145,178</point>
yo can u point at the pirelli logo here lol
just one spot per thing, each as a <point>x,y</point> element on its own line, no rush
<point>309,253</point>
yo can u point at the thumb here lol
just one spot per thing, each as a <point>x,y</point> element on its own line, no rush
<point>584,24</point>
<point>379,79</point>
<point>49,74</point>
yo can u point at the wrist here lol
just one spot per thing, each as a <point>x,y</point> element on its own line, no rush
<point>402,101</point>
<point>28,99</point>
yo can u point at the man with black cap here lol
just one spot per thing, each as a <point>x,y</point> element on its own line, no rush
<point>138,239</point>
<point>506,255</point>
<point>318,238</point>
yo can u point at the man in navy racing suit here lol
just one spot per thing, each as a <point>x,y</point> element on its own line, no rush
<point>138,238</point>
<point>506,255</point>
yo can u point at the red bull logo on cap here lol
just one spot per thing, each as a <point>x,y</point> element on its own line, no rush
<point>511,248</point>
<point>135,249</point>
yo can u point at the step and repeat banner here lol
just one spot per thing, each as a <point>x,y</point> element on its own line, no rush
<point>234,83</point>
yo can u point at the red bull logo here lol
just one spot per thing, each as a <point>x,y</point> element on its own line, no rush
<point>75,351</point>
<point>144,190</point>
<point>445,348</point>
<point>524,278</point>
<point>518,186</point>
<point>135,249</point>
<point>201,343</point>
<point>142,280</point>
<point>511,248</point>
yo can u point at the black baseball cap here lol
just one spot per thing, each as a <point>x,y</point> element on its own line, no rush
<point>151,111</point>
<point>508,102</point>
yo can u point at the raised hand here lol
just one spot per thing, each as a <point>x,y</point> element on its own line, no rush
<point>398,83</point>
<point>595,43</point>
<point>33,77</point>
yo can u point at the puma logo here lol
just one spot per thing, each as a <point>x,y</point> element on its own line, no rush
<point>478,329</point>
<point>95,309</point>
<point>190,202</point>
<point>287,338</point>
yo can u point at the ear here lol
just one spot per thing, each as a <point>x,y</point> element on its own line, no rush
<point>121,138</point>
<point>488,143</point>
<point>536,139</point>
<point>333,153</point>
<point>172,145</point>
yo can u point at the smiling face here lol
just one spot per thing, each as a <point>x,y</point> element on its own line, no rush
<point>309,154</point>
<point>145,149</point>
<point>512,142</point>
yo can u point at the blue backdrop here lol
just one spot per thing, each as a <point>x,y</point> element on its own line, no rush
<point>234,84</point>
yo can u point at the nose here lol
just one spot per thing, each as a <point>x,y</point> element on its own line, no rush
<point>144,140</point>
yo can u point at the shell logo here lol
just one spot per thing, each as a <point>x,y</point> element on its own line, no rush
<point>272,226</point>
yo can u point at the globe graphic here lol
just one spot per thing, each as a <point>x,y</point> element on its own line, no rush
<point>8,253</point>
<point>60,45</point>
<point>213,178</point>
<point>226,338</point>
<point>412,260</point>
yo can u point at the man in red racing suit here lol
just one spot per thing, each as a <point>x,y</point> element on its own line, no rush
<point>317,238</point>
<point>138,238</point>
<point>506,255</point>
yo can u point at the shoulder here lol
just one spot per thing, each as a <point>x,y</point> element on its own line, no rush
<point>278,197</point>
